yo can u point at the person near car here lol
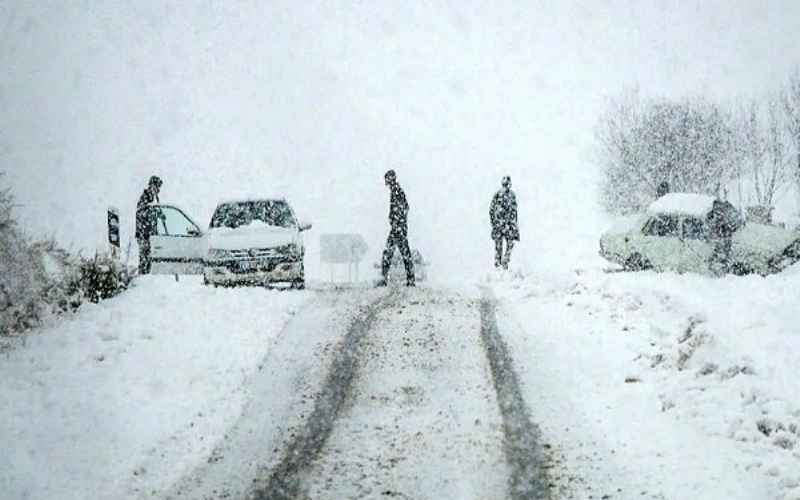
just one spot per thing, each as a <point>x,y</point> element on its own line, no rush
<point>662,189</point>
<point>146,222</point>
<point>398,231</point>
<point>722,224</point>
<point>505,228</point>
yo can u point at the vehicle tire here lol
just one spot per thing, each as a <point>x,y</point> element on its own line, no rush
<point>637,263</point>
<point>298,285</point>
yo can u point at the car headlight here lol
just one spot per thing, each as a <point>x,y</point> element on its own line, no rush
<point>219,254</point>
<point>292,249</point>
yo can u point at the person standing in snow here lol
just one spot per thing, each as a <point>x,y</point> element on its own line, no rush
<point>662,189</point>
<point>398,230</point>
<point>503,217</point>
<point>722,222</point>
<point>146,222</point>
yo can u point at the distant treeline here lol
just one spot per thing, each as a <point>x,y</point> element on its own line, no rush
<point>697,145</point>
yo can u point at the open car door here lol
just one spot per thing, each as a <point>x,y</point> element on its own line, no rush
<point>178,245</point>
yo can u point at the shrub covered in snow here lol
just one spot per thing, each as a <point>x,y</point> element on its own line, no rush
<point>38,279</point>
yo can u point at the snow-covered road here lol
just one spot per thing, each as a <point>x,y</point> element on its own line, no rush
<point>422,419</point>
<point>570,386</point>
<point>401,404</point>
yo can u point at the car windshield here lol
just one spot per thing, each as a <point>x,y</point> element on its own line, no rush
<point>243,213</point>
<point>662,225</point>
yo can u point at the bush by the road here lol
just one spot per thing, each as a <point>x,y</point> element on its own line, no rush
<point>40,279</point>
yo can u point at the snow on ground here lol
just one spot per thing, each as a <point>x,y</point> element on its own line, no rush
<point>662,385</point>
<point>86,401</point>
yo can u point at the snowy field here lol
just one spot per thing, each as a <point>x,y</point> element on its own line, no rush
<point>661,385</point>
<point>644,385</point>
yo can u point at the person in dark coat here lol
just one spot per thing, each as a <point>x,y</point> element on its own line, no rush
<point>723,221</point>
<point>503,216</point>
<point>662,189</point>
<point>398,231</point>
<point>146,222</point>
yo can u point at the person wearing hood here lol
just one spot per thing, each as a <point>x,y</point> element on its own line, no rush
<point>146,222</point>
<point>503,218</point>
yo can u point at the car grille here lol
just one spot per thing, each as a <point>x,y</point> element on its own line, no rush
<point>256,253</point>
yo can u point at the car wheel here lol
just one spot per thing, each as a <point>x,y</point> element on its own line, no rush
<point>298,285</point>
<point>637,263</point>
<point>741,269</point>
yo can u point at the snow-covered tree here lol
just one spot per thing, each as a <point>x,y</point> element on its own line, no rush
<point>791,106</point>
<point>688,144</point>
<point>772,175</point>
<point>18,273</point>
<point>41,278</point>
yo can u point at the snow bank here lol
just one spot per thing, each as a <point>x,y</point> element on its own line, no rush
<point>679,386</point>
<point>85,402</point>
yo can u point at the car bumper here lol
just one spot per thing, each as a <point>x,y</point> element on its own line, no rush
<point>239,272</point>
<point>611,256</point>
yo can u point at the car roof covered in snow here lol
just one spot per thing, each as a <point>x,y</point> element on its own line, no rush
<point>251,197</point>
<point>682,204</point>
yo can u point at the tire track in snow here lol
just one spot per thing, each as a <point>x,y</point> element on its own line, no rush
<point>422,421</point>
<point>523,451</point>
<point>284,482</point>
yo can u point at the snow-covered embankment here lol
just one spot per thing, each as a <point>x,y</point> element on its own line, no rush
<point>664,385</point>
<point>160,369</point>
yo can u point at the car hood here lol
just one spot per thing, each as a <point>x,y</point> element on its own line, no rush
<point>252,236</point>
<point>764,238</point>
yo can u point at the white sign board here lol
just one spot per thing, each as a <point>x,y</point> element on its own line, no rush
<point>342,248</point>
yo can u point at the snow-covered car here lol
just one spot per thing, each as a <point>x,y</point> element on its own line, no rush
<point>397,270</point>
<point>249,241</point>
<point>675,234</point>
<point>178,245</point>
<point>255,241</point>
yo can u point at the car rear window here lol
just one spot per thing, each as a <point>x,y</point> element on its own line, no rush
<point>243,213</point>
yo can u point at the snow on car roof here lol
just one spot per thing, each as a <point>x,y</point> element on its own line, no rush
<point>251,197</point>
<point>682,203</point>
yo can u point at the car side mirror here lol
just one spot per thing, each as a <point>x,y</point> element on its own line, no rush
<point>193,231</point>
<point>304,226</point>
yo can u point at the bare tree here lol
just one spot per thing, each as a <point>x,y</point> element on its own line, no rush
<point>791,106</point>
<point>687,144</point>
<point>6,207</point>
<point>773,173</point>
<point>619,152</point>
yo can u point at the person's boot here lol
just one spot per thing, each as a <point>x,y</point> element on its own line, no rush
<point>411,282</point>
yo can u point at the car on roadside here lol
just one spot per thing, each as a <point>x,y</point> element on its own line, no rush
<point>675,234</point>
<point>249,241</point>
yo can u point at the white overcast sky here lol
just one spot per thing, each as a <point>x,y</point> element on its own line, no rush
<point>318,99</point>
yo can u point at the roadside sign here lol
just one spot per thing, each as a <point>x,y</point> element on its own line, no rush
<point>342,248</point>
<point>345,248</point>
<point>113,230</point>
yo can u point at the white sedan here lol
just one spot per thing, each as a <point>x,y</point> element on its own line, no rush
<point>674,234</point>
<point>249,241</point>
